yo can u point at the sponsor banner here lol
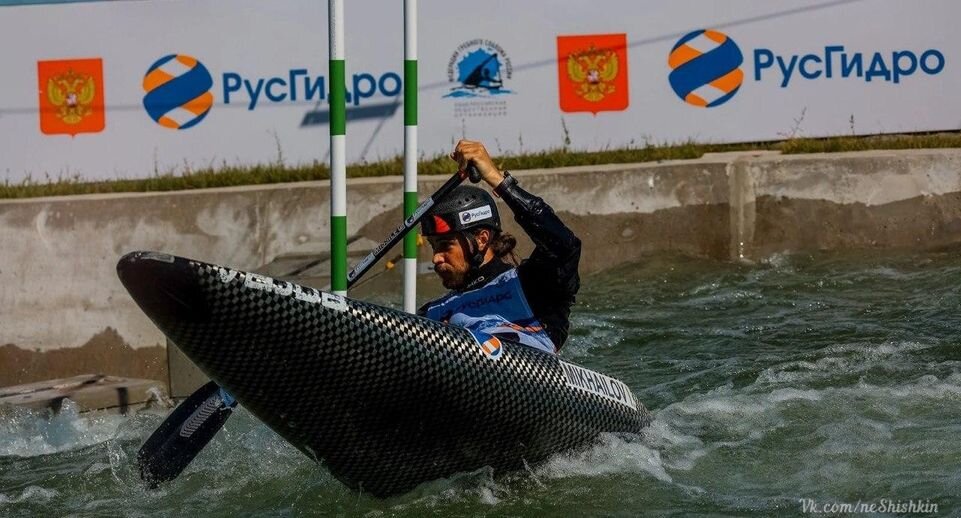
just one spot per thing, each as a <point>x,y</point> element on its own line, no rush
<point>207,83</point>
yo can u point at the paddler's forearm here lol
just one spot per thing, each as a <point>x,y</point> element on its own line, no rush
<point>555,242</point>
<point>538,220</point>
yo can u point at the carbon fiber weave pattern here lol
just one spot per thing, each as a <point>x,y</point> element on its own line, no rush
<point>384,399</point>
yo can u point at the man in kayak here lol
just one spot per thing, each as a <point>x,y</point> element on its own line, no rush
<point>490,293</point>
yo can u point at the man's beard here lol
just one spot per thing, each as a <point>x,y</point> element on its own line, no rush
<point>452,279</point>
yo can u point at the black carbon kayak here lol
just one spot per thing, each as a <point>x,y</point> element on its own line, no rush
<point>385,400</point>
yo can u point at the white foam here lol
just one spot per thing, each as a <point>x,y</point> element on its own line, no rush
<point>710,287</point>
<point>486,496</point>
<point>925,387</point>
<point>886,272</point>
<point>692,434</point>
<point>876,351</point>
<point>30,494</point>
<point>722,298</point>
<point>739,413</point>
<point>474,487</point>
<point>779,261</point>
<point>679,451</point>
<point>612,454</point>
<point>28,433</point>
<point>844,359</point>
<point>601,333</point>
<point>790,394</point>
<point>853,435</point>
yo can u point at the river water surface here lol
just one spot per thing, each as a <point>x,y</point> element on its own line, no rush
<point>819,380</point>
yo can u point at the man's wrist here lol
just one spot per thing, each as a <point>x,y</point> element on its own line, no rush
<point>505,184</point>
<point>494,178</point>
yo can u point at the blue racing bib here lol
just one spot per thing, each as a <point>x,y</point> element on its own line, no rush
<point>499,308</point>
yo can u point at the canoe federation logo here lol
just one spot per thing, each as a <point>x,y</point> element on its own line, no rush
<point>479,68</point>
<point>706,68</point>
<point>177,88</point>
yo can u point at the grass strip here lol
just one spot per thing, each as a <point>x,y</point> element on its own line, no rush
<point>228,176</point>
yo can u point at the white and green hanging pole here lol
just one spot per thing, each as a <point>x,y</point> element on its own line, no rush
<point>338,149</point>
<point>410,151</point>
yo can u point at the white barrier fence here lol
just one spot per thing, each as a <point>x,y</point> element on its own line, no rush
<point>127,89</point>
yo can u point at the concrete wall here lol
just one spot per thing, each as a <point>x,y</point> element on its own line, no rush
<point>57,257</point>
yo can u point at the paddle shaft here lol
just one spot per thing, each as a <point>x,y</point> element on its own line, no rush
<point>398,234</point>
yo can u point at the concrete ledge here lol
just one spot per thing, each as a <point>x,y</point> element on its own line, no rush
<point>90,392</point>
<point>57,262</point>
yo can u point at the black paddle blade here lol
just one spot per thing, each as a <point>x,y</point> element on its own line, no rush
<point>183,434</point>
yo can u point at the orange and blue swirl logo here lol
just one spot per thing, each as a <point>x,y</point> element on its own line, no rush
<point>492,348</point>
<point>706,68</point>
<point>177,91</point>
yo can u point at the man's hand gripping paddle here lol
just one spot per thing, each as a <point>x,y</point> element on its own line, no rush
<point>196,421</point>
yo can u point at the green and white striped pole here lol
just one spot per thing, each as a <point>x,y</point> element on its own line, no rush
<point>410,151</point>
<point>338,149</point>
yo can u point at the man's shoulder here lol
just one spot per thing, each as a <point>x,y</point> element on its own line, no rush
<point>422,311</point>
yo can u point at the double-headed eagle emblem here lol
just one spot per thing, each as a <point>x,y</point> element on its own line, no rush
<point>72,94</point>
<point>593,71</point>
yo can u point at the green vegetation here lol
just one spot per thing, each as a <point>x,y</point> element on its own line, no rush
<point>227,176</point>
<point>845,144</point>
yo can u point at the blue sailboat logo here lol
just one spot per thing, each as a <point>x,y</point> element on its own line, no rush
<point>479,75</point>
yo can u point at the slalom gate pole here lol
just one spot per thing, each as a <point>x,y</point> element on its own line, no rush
<point>338,137</point>
<point>410,151</point>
